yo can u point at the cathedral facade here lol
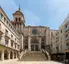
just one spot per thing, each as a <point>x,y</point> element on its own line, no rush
<point>33,38</point>
<point>15,37</point>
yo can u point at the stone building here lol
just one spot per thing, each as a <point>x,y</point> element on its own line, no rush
<point>32,38</point>
<point>15,36</point>
<point>61,41</point>
<point>9,38</point>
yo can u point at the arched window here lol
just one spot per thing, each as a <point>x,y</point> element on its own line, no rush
<point>19,19</point>
<point>16,19</point>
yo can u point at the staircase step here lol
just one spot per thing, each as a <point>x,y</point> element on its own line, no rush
<point>34,56</point>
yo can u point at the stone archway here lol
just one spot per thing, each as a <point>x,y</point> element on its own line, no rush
<point>34,44</point>
<point>6,54</point>
<point>11,55</point>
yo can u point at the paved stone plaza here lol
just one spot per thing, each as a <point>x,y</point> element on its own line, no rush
<point>28,62</point>
<point>30,58</point>
<point>32,43</point>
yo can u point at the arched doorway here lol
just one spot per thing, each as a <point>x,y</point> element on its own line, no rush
<point>5,54</point>
<point>11,55</point>
<point>34,44</point>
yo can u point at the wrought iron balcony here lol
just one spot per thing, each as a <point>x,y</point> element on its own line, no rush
<point>67,29</point>
<point>67,49</point>
<point>67,38</point>
<point>7,36</point>
<point>12,40</point>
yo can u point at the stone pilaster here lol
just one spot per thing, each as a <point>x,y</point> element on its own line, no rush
<point>9,43</point>
<point>8,54</point>
<point>39,43</point>
<point>47,36</point>
<point>13,55</point>
<point>2,55</point>
<point>29,43</point>
<point>22,41</point>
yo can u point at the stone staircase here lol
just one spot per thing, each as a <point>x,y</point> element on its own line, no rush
<point>34,56</point>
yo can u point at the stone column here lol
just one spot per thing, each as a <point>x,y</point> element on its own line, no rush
<point>47,36</point>
<point>16,54</point>
<point>13,55</point>
<point>47,39</point>
<point>22,41</point>
<point>2,55</point>
<point>40,43</point>
<point>8,54</point>
<point>29,43</point>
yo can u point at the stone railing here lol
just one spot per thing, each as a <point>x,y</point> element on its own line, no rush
<point>46,54</point>
<point>22,53</point>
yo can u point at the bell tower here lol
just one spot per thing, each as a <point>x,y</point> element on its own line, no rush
<point>19,20</point>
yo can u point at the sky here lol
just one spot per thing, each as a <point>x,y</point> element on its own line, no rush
<point>49,13</point>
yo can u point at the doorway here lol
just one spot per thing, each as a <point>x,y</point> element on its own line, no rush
<point>34,48</point>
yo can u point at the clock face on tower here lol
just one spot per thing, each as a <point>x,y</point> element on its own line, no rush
<point>34,31</point>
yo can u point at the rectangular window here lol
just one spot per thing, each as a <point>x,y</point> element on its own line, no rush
<point>4,19</point>
<point>7,22</point>
<point>15,45</point>
<point>6,31</point>
<point>11,36</point>
<point>6,42</point>
<point>18,46</point>
<point>51,33</point>
<point>67,45</point>
<point>66,35</point>
<point>1,16</point>
<point>11,44</point>
<point>65,26</point>
<point>61,31</point>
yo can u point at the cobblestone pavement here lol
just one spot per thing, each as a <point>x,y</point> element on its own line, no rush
<point>28,62</point>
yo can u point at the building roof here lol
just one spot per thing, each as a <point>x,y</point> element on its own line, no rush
<point>18,12</point>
